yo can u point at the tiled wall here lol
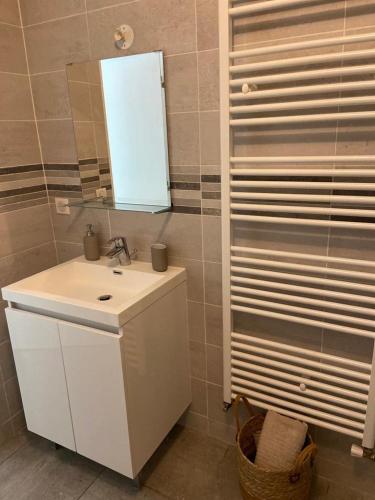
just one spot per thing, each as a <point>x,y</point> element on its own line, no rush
<point>26,235</point>
<point>57,33</point>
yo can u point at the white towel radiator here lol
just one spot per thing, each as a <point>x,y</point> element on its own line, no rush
<point>331,293</point>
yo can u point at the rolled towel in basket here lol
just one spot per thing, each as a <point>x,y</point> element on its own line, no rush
<point>280,442</point>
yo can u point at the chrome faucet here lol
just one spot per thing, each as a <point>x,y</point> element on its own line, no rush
<point>120,250</point>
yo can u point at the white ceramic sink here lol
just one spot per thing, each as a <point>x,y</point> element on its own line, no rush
<point>73,289</point>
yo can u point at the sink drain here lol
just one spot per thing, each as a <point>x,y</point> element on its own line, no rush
<point>103,298</point>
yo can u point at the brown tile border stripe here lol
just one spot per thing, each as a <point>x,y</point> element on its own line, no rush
<point>187,210</point>
<point>21,169</point>
<point>26,190</point>
<point>190,186</point>
<point>62,166</point>
<point>88,161</point>
<point>89,179</point>
<point>63,187</point>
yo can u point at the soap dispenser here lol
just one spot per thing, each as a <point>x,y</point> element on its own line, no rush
<point>91,244</point>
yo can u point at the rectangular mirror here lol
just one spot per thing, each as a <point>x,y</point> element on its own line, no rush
<point>119,116</point>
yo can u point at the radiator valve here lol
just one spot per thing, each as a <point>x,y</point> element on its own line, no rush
<point>361,452</point>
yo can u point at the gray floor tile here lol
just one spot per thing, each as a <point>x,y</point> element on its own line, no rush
<point>192,466</point>
<point>39,472</point>
<point>188,465</point>
<point>113,486</point>
<point>11,446</point>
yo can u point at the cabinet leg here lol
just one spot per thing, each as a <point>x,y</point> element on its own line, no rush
<point>56,446</point>
<point>136,482</point>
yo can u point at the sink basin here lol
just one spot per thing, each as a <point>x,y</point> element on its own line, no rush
<point>94,291</point>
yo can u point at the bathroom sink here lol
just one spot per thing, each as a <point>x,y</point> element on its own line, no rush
<point>94,291</point>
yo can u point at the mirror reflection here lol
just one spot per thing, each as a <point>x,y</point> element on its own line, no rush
<point>119,116</point>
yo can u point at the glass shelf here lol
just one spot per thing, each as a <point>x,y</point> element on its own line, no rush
<point>125,207</point>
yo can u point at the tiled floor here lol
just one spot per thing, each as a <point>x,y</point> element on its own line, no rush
<point>187,466</point>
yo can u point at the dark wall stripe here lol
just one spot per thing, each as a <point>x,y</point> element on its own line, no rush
<point>63,187</point>
<point>189,186</point>
<point>62,166</point>
<point>20,169</point>
<point>14,192</point>
<point>88,161</point>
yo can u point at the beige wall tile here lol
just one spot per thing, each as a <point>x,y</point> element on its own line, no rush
<point>284,237</point>
<point>209,83</point>
<point>198,360</point>
<point>214,325</point>
<point>212,238</point>
<point>168,26</point>
<point>359,13</point>
<point>23,229</point>
<point>210,137</point>
<point>9,12</point>
<point>21,265</point>
<point>57,141</point>
<point>37,11</point>
<point>199,394</point>
<point>212,278</point>
<point>52,45</point>
<point>15,97</point>
<point>196,321</point>
<point>96,98</point>
<point>18,143</point>
<point>356,138</point>
<point>353,245</point>
<point>308,337</point>
<point>348,346</point>
<point>182,233</point>
<point>68,251</point>
<point>79,95</point>
<point>207,24</point>
<point>286,140</point>
<point>289,23</point>
<point>51,95</point>
<point>12,50</point>
<point>194,270</point>
<point>181,83</point>
<point>214,364</point>
<point>183,139</point>
<point>85,140</point>
<point>71,229</point>
<point>101,140</point>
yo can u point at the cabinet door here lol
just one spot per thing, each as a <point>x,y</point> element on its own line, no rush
<point>40,370</point>
<point>95,381</point>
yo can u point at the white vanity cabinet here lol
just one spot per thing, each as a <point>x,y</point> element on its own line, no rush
<point>41,375</point>
<point>112,396</point>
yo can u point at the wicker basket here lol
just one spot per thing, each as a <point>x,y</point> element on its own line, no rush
<point>261,484</point>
